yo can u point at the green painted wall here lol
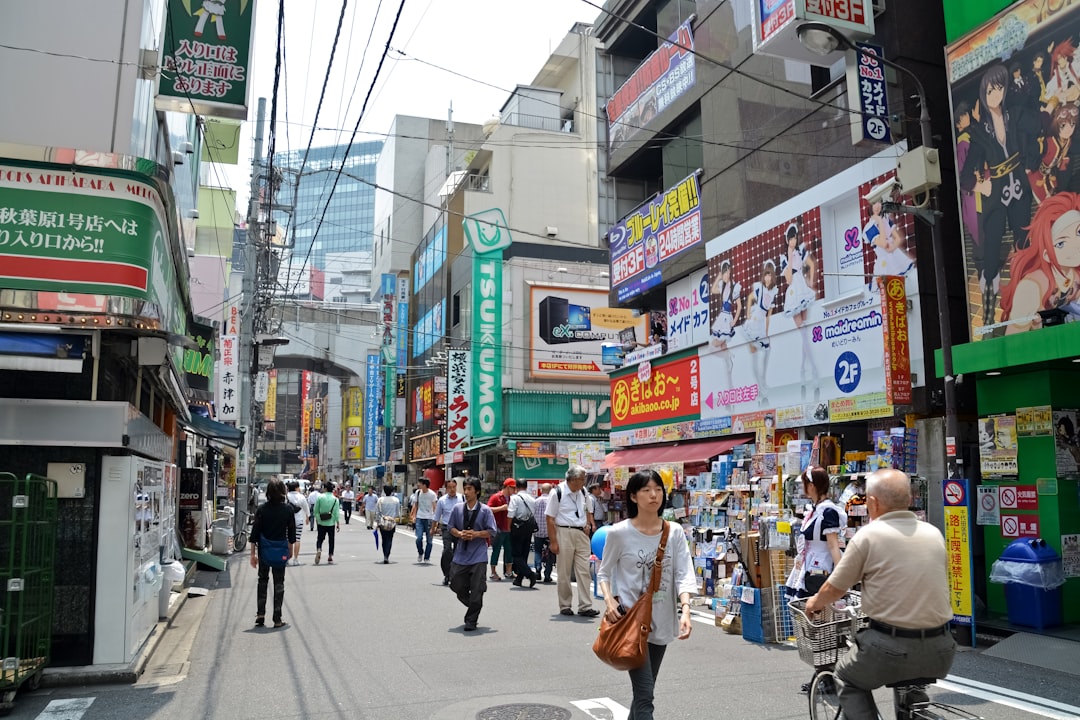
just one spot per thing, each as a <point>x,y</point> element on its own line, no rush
<point>1058,514</point>
<point>962,16</point>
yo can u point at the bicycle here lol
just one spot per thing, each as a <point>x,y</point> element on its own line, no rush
<point>824,637</point>
<point>240,534</point>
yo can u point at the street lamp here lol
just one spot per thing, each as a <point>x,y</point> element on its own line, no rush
<point>823,39</point>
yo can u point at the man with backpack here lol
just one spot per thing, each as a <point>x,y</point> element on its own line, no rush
<point>327,512</point>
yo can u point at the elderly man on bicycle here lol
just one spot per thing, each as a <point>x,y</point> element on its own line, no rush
<point>900,562</point>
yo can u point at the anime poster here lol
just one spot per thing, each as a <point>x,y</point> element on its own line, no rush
<point>886,242</point>
<point>1067,443</point>
<point>997,446</point>
<point>1015,91</point>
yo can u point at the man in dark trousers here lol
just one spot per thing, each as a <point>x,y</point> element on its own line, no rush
<point>472,523</point>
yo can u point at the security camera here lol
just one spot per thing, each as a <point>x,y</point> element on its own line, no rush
<point>882,192</point>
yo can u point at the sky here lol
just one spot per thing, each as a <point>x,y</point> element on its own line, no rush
<point>502,43</point>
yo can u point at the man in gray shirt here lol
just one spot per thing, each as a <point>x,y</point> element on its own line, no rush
<point>443,508</point>
<point>472,523</point>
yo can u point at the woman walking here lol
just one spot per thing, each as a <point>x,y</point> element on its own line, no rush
<point>272,534</point>
<point>327,521</point>
<point>387,507</point>
<point>625,572</point>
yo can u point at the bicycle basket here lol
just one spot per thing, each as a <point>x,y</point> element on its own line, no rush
<point>821,639</point>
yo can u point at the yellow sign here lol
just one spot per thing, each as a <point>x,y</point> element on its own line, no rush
<point>860,407</point>
<point>354,403</point>
<point>958,548</point>
<point>270,406</point>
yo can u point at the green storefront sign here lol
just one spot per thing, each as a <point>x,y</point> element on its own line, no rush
<point>199,361</point>
<point>533,415</point>
<point>206,55</point>
<point>488,234</point>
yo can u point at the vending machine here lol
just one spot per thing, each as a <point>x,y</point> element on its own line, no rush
<point>132,530</point>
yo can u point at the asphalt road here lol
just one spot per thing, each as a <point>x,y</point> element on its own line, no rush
<point>385,642</point>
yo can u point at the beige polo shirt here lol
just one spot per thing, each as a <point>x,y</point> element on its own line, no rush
<point>901,563</point>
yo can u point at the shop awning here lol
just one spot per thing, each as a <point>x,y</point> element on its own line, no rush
<point>480,445</point>
<point>214,430</point>
<point>684,452</point>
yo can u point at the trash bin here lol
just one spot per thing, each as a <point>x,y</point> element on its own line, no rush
<point>221,541</point>
<point>1033,575</point>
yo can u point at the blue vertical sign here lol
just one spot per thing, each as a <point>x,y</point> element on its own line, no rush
<point>371,408</point>
<point>873,99</point>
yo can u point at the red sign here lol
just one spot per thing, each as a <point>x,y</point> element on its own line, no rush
<point>1018,497</point>
<point>894,328</point>
<point>1020,526</point>
<point>671,393</point>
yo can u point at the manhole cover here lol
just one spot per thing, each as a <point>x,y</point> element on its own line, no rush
<point>524,711</point>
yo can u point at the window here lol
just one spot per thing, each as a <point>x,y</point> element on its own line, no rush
<point>455,310</point>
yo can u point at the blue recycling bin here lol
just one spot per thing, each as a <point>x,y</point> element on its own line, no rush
<point>1033,576</point>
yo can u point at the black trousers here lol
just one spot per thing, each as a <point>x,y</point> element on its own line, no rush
<point>449,543</point>
<point>469,583</point>
<point>520,544</point>
<point>279,589</point>
<point>387,542</point>
<point>542,556</point>
<point>346,508</point>
<point>324,532</point>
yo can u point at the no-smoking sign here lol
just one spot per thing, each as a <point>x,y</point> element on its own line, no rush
<point>954,493</point>
<point>1008,497</point>
<point>1010,526</point>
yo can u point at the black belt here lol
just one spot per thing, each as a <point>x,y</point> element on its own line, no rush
<point>908,632</point>
<point>572,527</point>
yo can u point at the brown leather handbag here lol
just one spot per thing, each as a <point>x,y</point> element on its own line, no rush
<point>623,644</point>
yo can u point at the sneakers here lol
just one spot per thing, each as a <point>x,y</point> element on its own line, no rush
<point>260,621</point>
<point>419,558</point>
<point>446,581</point>
<point>318,556</point>
<point>329,561</point>
<point>280,623</point>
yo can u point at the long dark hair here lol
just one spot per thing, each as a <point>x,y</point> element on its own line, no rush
<point>637,482</point>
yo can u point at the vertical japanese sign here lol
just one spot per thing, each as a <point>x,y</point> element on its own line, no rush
<point>894,328</point>
<point>305,412</point>
<point>488,233</point>
<point>371,408</point>
<point>354,422</point>
<point>866,85</point>
<point>402,324</point>
<point>688,311</point>
<point>206,57</point>
<point>458,395</point>
<point>270,408</point>
<point>958,551</point>
<point>229,381</point>
<point>655,232</point>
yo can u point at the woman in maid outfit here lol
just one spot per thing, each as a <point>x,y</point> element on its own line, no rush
<point>730,308</point>
<point>797,267</point>
<point>759,304</point>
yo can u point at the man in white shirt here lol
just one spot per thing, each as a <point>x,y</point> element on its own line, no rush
<point>423,512</point>
<point>371,501</point>
<point>522,525</point>
<point>312,497</point>
<point>569,525</point>
<point>347,499</point>
<point>597,507</point>
<point>297,499</point>
<point>443,508</point>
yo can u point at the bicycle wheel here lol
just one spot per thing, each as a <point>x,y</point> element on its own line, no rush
<point>824,700</point>
<point>240,541</point>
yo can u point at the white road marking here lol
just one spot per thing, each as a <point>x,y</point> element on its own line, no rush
<point>602,709</point>
<point>70,709</point>
<point>1010,698</point>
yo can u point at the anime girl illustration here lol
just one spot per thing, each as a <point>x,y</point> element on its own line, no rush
<point>965,114</point>
<point>797,267</point>
<point>886,239</point>
<point>1055,152</point>
<point>1046,274</point>
<point>1002,143</point>
<point>214,11</point>
<point>730,303</point>
<point>759,305</point>
<point>1064,83</point>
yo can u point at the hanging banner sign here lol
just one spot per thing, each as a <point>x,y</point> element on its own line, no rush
<point>866,85</point>
<point>958,549</point>
<point>371,408</point>
<point>229,383</point>
<point>459,394</point>
<point>207,53</point>
<point>894,327</point>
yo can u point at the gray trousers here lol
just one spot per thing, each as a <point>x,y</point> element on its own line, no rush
<point>469,583</point>
<point>878,659</point>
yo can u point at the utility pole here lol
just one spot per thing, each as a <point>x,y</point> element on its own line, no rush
<point>245,462</point>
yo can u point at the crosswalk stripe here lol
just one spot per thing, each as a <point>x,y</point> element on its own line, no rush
<point>605,709</point>
<point>69,709</point>
<point>1010,698</point>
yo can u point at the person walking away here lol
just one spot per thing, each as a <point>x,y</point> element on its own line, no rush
<point>499,503</point>
<point>274,524</point>
<point>900,561</point>
<point>299,503</point>
<point>387,507</point>
<point>348,497</point>
<point>472,523</point>
<point>569,526</point>
<point>371,500</point>
<point>522,525</point>
<point>423,512</point>
<point>443,508</point>
<point>597,506</point>
<point>313,495</point>
<point>543,557</point>
<point>626,570</point>
<point>327,521</point>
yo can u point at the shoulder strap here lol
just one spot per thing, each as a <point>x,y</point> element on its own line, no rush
<point>654,582</point>
<point>558,491</point>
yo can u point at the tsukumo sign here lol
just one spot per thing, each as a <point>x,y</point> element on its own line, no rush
<point>488,234</point>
